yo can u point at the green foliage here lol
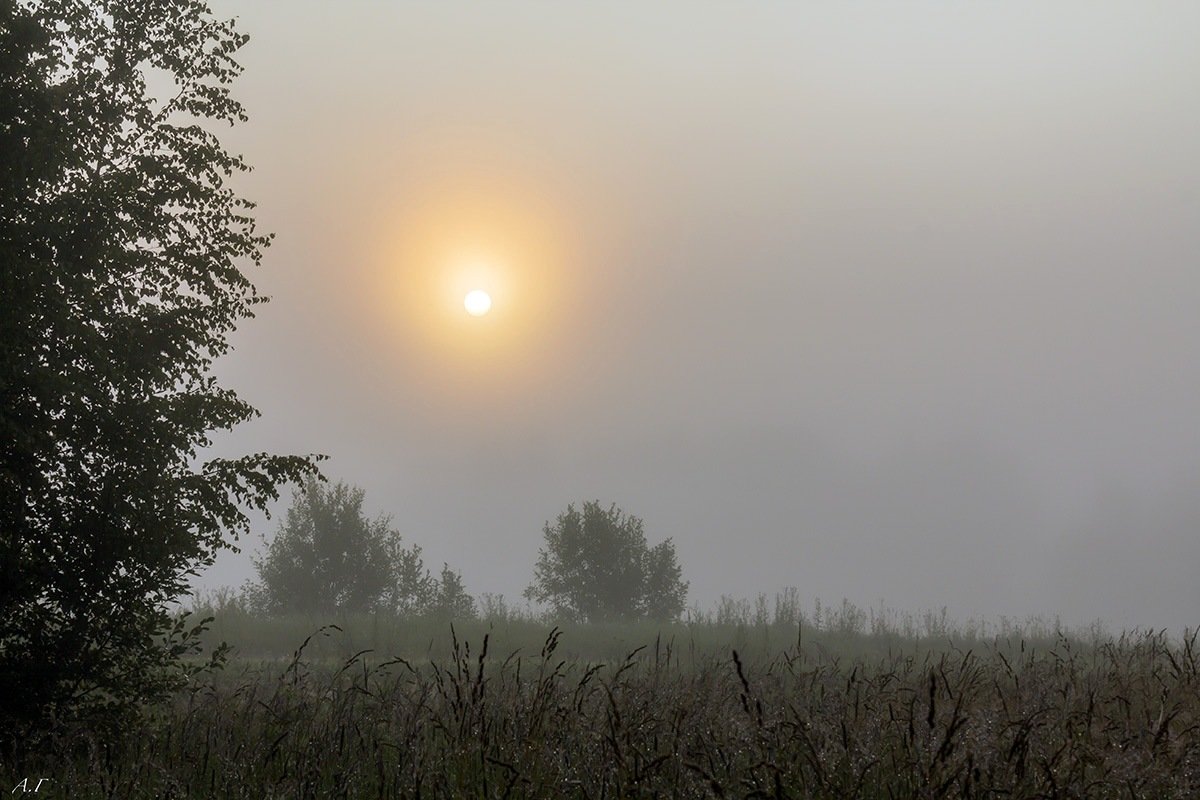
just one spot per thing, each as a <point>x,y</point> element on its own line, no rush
<point>596,566</point>
<point>328,557</point>
<point>122,247</point>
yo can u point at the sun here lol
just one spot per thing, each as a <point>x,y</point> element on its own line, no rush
<point>477,302</point>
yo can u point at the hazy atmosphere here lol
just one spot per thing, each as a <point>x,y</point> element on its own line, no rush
<point>896,303</point>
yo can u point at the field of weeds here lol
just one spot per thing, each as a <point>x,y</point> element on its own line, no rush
<point>1120,719</point>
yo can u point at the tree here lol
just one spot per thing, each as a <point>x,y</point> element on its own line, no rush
<point>596,566</point>
<point>450,598</point>
<point>122,248</point>
<point>328,557</point>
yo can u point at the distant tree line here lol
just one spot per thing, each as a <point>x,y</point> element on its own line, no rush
<point>329,557</point>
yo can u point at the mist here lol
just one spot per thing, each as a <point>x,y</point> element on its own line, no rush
<point>896,304</point>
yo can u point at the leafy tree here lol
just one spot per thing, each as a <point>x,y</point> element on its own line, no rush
<point>596,566</point>
<point>664,590</point>
<point>450,598</point>
<point>122,248</point>
<point>328,557</point>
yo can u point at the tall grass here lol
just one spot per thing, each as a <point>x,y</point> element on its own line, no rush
<point>756,629</point>
<point>1120,719</point>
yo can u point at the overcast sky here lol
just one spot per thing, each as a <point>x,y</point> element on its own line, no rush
<point>891,302</point>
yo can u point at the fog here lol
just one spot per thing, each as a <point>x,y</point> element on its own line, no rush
<point>896,303</point>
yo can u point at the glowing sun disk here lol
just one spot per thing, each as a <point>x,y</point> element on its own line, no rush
<point>477,302</point>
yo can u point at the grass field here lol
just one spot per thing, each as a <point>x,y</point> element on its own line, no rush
<point>759,629</point>
<point>518,709</point>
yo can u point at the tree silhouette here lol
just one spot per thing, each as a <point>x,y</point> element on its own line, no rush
<point>328,557</point>
<point>122,247</point>
<point>596,566</point>
<point>450,599</point>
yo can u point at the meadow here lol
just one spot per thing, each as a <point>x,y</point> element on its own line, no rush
<point>832,706</point>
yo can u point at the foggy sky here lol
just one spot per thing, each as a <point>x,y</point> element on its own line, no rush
<point>891,302</point>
